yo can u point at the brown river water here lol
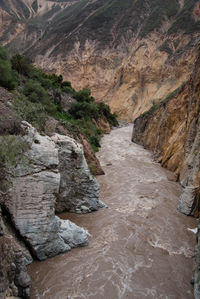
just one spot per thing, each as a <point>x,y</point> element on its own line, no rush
<point>140,247</point>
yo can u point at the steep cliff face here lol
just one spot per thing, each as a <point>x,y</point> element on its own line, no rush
<point>171,130</point>
<point>129,53</point>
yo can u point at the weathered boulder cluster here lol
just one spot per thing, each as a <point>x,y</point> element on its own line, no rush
<point>51,176</point>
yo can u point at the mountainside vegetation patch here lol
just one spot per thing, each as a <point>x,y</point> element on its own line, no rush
<point>37,96</point>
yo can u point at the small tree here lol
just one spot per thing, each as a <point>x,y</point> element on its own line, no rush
<point>21,64</point>
<point>6,74</point>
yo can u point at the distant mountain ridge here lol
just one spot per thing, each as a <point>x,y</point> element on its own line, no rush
<point>129,52</point>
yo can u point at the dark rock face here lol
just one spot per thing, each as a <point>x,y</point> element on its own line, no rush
<point>172,131</point>
<point>197,266</point>
<point>14,280</point>
<point>91,158</point>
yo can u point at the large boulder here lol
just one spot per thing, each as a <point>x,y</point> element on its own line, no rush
<point>38,180</point>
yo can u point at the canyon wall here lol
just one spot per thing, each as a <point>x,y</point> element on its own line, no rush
<point>171,129</point>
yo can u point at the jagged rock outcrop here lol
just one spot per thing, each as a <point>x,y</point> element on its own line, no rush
<point>52,171</point>
<point>92,161</point>
<point>29,192</point>
<point>78,190</point>
<point>52,126</point>
<point>129,53</point>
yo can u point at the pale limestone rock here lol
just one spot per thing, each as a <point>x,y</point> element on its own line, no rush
<point>36,183</point>
<point>79,190</point>
<point>72,234</point>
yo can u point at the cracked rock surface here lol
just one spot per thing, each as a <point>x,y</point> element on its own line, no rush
<point>53,170</point>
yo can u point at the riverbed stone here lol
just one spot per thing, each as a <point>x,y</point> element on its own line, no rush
<point>72,234</point>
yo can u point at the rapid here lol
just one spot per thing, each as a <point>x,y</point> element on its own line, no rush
<point>139,247</point>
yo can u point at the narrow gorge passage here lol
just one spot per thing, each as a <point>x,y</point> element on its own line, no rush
<point>140,247</point>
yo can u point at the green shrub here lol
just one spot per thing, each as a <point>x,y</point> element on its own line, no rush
<point>84,95</point>
<point>94,141</point>
<point>7,76</point>
<point>84,110</point>
<point>104,109</point>
<point>39,96</point>
<point>21,64</point>
<point>56,80</point>
<point>33,113</point>
<point>35,92</point>
<point>12,149</point>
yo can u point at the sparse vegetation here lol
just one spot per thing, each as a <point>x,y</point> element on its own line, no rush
<point>7,75</point>
<point>11,150</point>
<point>160,10</point>
<point>185,21</point>
<point>163,102</point>
<point>165,48</point>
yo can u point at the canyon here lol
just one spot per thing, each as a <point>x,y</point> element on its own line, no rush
<point>141,58</point>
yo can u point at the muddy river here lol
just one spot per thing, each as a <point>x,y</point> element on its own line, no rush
<point>139,247</point>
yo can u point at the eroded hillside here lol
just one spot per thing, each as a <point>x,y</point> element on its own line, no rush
<point>130,53</point>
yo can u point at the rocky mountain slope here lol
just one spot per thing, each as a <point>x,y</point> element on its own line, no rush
<point>130,53</point>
